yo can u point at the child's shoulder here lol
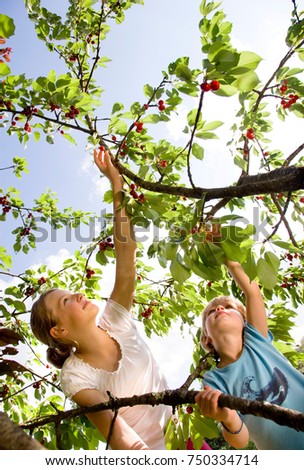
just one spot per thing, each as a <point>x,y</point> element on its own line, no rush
<point>251,332</point>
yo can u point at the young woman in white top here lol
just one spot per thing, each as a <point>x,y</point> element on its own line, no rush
<point>111,355</point>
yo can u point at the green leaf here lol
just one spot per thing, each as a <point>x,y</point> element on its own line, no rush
<point>249,267</point>
<point>233,251</point>
<point>247,81</point>
<point>206,135</point>
<point>183,72</point>
<point>207,7</point>
<point>36,136</point>
<point>70,138</point>
<point>249,59</point>
<point>240,162</point>
<point>148,91</point>
<point>117,107</point>
<point>152,118</point>
<point>52,76</point>
<point>191,117</point>
<point>4,69</point>
<point>101,258</point>
<point>227,90</point>
<point>267,269</point>
<point>210,126</point>
<point>197,151</point>
<point>225,60</point>
<point>286,246</point>
<point>7,26</point>
<point>179,271</point>
<point>272,260</point>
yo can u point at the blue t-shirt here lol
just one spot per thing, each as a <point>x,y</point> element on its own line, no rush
<point>262,373</point>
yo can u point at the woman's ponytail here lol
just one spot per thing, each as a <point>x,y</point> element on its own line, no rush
<point>58,355</point>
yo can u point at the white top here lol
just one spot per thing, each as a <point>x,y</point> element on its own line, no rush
<point>137,373</point>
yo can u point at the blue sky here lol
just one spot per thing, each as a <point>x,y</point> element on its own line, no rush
<point>150,38</point>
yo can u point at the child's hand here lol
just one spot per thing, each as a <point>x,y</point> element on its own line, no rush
<point>104,163</point>
<point>207,402</point>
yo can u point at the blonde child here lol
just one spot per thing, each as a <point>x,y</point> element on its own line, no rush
<point>249,366</point>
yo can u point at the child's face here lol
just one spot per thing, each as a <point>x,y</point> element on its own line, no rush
<point>222,315</point>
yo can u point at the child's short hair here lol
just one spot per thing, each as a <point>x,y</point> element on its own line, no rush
<point>222,299</point>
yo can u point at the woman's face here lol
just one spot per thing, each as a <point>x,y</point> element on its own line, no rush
<point>70,310</point>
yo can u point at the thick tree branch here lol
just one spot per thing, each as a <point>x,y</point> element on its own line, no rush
<point>173,398</point>
<point>279,180</point>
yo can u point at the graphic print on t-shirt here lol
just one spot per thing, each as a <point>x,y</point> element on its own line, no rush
<point>274,392</point>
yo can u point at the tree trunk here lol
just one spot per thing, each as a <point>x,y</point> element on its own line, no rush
<point>12,437</point>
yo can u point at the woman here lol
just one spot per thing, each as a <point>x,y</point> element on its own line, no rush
<point>110,356</point>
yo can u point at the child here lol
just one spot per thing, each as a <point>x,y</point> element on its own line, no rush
<point>110,356</point>
<point>249,366</point>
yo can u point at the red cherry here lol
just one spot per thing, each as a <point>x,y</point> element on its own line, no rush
<point>250,134</point>
<point>283,89</point>
<point>205,86</point>
<point>189,409</point>
<point>215,85</point>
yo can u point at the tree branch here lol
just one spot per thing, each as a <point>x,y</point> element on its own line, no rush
<point>280,415</point>
<point>275,181</point>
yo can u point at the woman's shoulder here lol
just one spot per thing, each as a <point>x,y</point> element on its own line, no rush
<point>76,375</point>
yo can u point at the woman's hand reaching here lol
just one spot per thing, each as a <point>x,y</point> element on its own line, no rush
<point>104,163</point>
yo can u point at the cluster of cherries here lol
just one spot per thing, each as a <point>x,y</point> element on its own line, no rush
<point>104,244</point>
<point>54,106</point>
<point>30,290</point>
<point>89,273</point>
<point>214,85</point>
<point>161,105</point>
<point>72,113</point>
<point>5,52</point>
<point>147,312</point>
<point>73,57</point>
<point>250,134</point>
<point>37,385</point>
<point>5,104</point>
<point>4,391</point>
<point>25,231</point>
<point>294,279</point>
<point>5,203</point>
<point>139,126</point>
<point>289,100</point>
<point>139,197</point>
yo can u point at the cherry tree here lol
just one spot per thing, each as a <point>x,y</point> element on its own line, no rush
<point>200,226</point>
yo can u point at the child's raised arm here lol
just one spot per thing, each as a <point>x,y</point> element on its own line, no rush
<point>255,307</point>
<point>124,238</point>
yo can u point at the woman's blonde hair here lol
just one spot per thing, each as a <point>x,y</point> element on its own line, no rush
<point>42,320</point>
<point>214,303</point>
